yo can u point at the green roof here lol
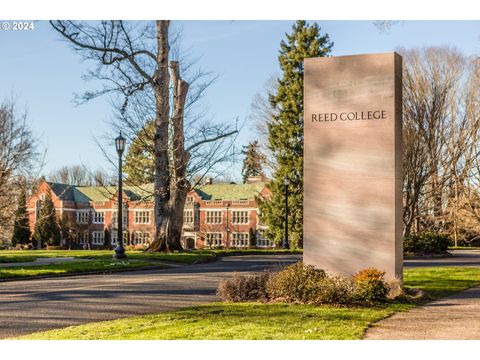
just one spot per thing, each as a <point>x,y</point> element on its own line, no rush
<point>230,191</point>
<point>145,192</point>
<point>100,193</point>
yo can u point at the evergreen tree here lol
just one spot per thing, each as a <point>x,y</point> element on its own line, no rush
<point>253,161</point>
<point>47,229</point>
<point>21,229</point>
<point>139,164</point>
<point>286,131</point>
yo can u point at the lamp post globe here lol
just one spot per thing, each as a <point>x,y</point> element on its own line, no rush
<point>120,250</point>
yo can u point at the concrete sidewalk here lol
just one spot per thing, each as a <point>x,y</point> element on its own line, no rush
<point>453,318</point>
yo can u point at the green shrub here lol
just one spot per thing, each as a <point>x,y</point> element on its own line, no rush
<point>244,288</point>
<point>297,283</point>
<point>426,243</point>
<point>304,284</point>
<point>335,290</point>
<point>370,285</point>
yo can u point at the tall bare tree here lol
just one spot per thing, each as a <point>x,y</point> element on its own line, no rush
<point>441,128</point>
<point>18,159</point>
<point>262,114</point>
<point>135,62</point>
<point>80,175</point>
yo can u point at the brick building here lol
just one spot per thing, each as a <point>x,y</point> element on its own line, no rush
<point>215,215</point>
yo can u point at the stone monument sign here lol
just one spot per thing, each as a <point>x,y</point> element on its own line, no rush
<point>353,163</point>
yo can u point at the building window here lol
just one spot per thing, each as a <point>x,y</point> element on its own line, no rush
<point>114,237</point>
<point>83,217</point>
<point>262,241</point>
<point>142,217</point>
<point>240,239</point>
<point>213,217</point>
<point>83,238</point>
<point>188,217</point>
<point>190,200</point>
<point>98,237</point>
<point>214,239</point>
<point>38,207</point>
<point>239,217</point>
<point>98,217</point>
<point>124,216</point>
<point>141,238</point>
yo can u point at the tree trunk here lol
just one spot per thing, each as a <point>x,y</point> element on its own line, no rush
<point>171,159</point>
<point>162,171</point>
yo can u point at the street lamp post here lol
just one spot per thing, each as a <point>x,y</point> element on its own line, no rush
<point>120,250</point>
<point>286,244</point>
<point>227,227</point>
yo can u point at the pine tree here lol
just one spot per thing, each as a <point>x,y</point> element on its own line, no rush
<point>286,131</point>
<point>47,229</point>
<point>21,229</point>
<point>253,161</point>
<point>139,164</point>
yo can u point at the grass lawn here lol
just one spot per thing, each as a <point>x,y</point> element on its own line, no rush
<point>246,321</point>
<point>442,281</point>
<point>32,255</point>
<point>73,267</point>
<point>188,257</point>
<point>268,321</point>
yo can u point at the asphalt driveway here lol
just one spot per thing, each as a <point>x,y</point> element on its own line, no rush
<point>42,304</point>
<point>463,258</point>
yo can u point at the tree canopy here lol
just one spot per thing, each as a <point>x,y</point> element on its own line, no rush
<point>286,130</point>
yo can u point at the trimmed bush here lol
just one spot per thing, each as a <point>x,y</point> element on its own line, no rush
<point>303,284</point>
<point>426,243</point>
<point>335,290</point>
<point>296,283</point>
<point>370,285</point>
<point>244,288</point>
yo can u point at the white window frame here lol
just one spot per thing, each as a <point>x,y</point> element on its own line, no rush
<point>82,216</point>
<point>214,239</point>
<point>141,238</point>
<point>240,217</point>
<point>141,217</point>
<point>114,235</point>
<point>189,217</point>
<point>98,217</point>
<point>124,216</point>
<point>213,217</point>
<point>98,238</point>
<point>83,238</point>
<point>240,239</point>
<point>262,241</point>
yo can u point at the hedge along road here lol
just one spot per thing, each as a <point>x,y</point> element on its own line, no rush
<point>35,305</point>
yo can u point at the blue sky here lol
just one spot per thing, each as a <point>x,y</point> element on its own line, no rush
<point>43,72</point>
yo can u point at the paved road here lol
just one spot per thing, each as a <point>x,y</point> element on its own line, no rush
<point>42,304</point>
<point>464,258</point>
